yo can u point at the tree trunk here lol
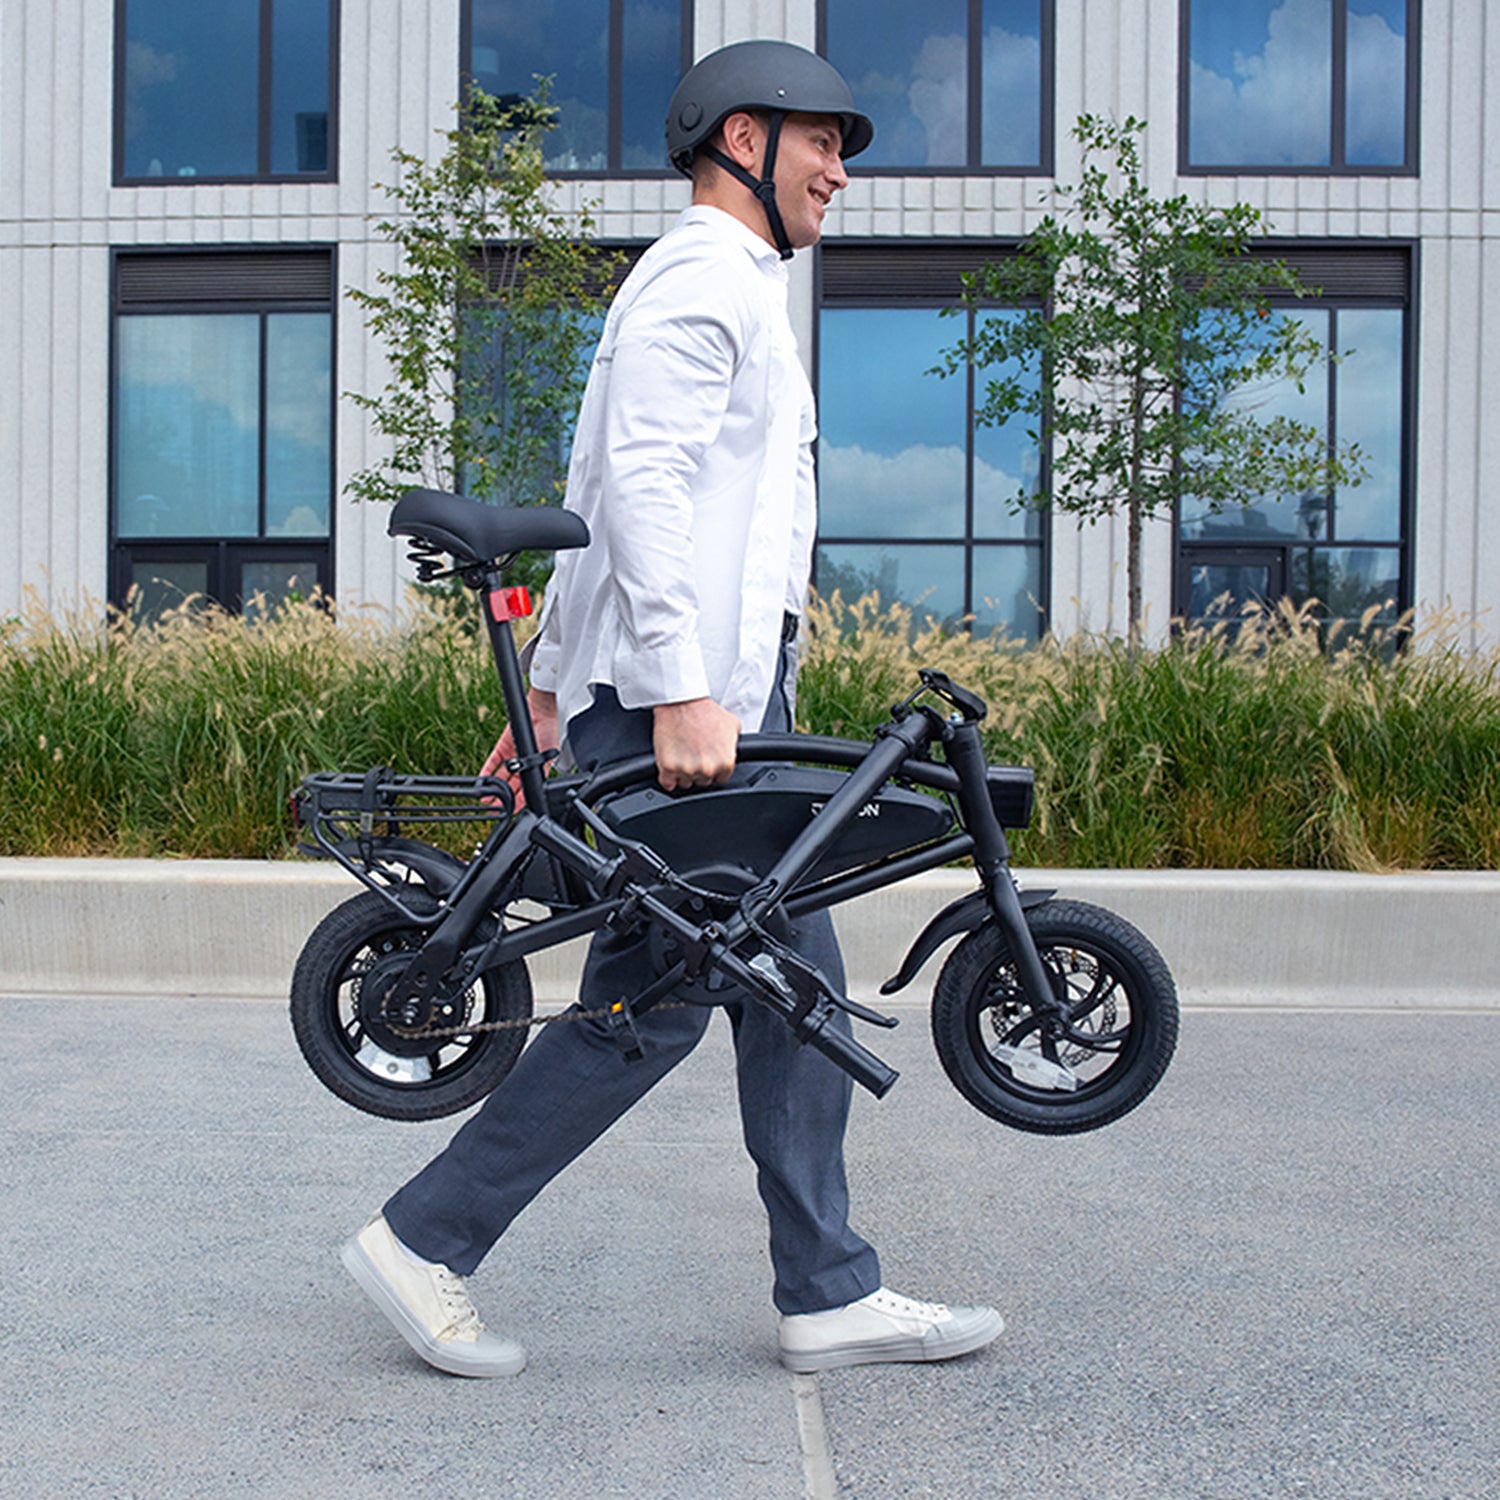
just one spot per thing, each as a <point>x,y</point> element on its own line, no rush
<point>1133,571</point>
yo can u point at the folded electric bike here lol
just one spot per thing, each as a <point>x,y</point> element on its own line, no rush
<point>412,1000</point>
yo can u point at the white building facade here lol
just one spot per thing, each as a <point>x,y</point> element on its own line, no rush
<point>186,192</point>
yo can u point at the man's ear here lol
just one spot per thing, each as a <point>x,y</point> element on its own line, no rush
<point>743,139</point>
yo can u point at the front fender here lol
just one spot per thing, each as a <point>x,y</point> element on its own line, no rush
<point>963,915</point>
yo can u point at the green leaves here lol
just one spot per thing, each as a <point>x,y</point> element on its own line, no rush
<point>1143,317</point>
<point>488,316</point>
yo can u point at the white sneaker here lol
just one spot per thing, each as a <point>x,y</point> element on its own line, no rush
<point>428,1305</point>
<point>884,1328</point>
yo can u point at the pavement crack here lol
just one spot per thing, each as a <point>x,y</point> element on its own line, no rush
<point>819,1481</point>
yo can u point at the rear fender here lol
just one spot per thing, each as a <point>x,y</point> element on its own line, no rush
<point>963,915</point>
<point>433,868</point>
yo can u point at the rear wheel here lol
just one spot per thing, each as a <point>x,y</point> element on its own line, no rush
<point>358,1048</point>
<point>1057,1076</point>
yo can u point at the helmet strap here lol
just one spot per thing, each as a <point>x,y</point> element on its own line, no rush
<point>764,187</point>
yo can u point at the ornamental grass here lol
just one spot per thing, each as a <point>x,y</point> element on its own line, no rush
<point>1263,742</point>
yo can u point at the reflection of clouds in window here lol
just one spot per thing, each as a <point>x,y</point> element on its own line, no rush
<point>208,360</point>
<point>144,67</point>
<point>1375,116</point>
<point>939,98</point>
<point>1012,98</point>
<point>916,492</point>
<point>515,43</point>
<point>1275,109</point>
<point>1369,415</point>
<point>301,416</point>
<point>653,31</point>
<point>301,520</point>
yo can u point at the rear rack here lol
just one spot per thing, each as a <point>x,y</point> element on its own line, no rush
<point>344,812</point>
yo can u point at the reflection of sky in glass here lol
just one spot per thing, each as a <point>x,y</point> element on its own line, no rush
<point>1005,464</point>
<point>1375,87</point>
<point>189,420</point>
<point>930,579</point>
<point>299,87</point>
<point>891,444</point>
<point>191,75</point>
<point>297,424</point>
<point>1261,82</point>
<point>1368,383</point>
<point>513,41</point>
<point>1274,517</point>
<point>651,64</point>
<point>1007,586</point>
<point>188,413</point>
<point>1011,108</point>
<point>907,66</point>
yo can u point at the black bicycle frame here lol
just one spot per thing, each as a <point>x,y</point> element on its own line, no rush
<point>624,882</point>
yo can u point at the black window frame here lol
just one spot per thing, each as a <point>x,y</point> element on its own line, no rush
<point>1336,166</point>
<point>615,137</point>
<point>238,279</point>
<point>896,273</point>
<point>265,60</point>
<point>1347,274</point>
<point>974,166</point>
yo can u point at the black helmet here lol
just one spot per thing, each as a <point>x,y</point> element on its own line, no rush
<point>776,76</point>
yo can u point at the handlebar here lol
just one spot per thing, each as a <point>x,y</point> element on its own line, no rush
<point>858,1062</point>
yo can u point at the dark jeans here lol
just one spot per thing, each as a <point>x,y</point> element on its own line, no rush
<point>573,1082</point>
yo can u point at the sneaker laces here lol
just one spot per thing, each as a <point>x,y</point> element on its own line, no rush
<point>463,1317</point>
<point>906,1307</point>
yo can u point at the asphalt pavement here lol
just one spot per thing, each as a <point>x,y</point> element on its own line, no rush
<point>1276,1278</point>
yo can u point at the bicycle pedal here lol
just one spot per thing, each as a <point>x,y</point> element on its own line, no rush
<point>626,1035</point>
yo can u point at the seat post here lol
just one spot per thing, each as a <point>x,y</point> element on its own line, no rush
<point>513,689</point>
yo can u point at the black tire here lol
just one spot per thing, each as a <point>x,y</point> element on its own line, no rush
<point>1122,1035</point>
<point>379,1071</point>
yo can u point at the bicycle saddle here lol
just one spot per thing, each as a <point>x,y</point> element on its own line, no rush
<point>473,531</point>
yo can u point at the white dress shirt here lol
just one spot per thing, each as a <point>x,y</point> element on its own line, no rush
<point>692,464</point>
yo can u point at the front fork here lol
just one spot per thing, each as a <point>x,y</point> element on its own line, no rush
<point>964,751</point>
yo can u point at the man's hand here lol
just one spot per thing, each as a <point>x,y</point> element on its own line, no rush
<point>543,708</point>
<point>695,743</point>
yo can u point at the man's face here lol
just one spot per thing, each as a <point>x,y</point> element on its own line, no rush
<point>809,171</point>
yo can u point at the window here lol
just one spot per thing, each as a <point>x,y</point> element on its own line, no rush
<point>951,85</point>
<point>1299,85</point>
<point>240,89</point>
<point>1348,549</point>
<point>613,66</point>
<point>222,427</point>
<point>914,499</point>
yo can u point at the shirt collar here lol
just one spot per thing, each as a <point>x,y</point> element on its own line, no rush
<point>761,251</point>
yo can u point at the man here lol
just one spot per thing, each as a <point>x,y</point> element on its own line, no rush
<point>674,629</point>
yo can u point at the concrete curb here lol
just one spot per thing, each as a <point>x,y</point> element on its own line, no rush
<point>234,928</point>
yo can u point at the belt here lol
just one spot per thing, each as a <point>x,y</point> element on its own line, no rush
<point>790,625</point>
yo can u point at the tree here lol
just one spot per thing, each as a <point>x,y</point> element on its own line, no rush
<point>486,319</point>
<point>1141,325</point>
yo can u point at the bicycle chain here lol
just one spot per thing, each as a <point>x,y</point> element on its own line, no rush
<point>525,1023</point>
<point>520,1023</point>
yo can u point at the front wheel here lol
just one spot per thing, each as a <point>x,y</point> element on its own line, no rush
<point>1057,1075</point>
<point>361,1053</point>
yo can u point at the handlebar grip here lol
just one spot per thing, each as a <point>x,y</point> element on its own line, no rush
<point>858,1062</point>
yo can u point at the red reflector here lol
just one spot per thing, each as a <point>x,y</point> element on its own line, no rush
<point>510,604</point>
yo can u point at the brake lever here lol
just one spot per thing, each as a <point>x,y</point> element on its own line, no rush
<point>808,984</point>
